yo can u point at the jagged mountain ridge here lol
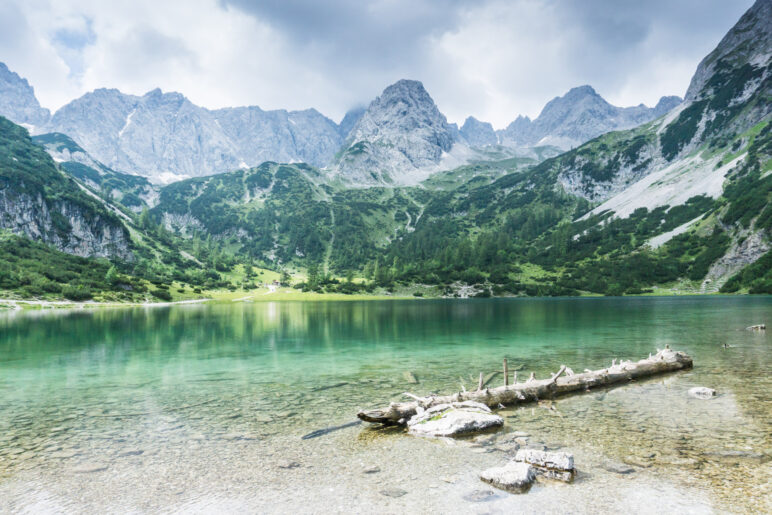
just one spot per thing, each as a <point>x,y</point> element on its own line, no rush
<point>477,133</point>
<point>165,137</point>
<point>578,116</point>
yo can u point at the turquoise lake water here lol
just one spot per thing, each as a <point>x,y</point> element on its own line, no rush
<point>201,408</point>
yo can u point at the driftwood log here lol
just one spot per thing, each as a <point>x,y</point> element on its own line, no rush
<point>666,360</point>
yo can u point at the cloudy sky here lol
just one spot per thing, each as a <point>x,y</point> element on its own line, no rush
<point>492,59</point>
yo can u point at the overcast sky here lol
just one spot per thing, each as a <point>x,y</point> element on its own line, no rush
<point>492,59</point>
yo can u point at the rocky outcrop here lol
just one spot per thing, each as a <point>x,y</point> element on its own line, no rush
<point>64,225</point>
<point>742,252</point>
<point>18,102</point>
<point>38,201</point>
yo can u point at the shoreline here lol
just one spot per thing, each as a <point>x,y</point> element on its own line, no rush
<point>277,296</point>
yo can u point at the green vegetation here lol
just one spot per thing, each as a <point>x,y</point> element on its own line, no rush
<point>32,269</point>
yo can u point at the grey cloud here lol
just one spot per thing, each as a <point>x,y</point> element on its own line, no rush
<point>368,34</point>
<point>145,50</point>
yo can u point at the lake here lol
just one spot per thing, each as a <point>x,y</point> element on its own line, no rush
<point>202,408</point>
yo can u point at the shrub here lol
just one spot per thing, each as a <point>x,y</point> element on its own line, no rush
<point>161,294</point>
<point>77,293</point>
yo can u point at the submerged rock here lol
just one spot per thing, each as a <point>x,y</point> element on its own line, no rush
<point>454,419</point>
<point>701,392</point>
<point>515,477</point>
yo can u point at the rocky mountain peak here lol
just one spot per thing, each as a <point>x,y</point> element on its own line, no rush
<point>666,104</point>
<point>17,100</point>
<point>350,120</point>
<point>477,133</point>
<point>404,105</point>
<point>402,132</point>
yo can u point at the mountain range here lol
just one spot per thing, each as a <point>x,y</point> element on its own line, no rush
<point>400,138</point>
<point>682,202</point>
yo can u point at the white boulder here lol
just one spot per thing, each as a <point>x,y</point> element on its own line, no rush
<point>453,419</point>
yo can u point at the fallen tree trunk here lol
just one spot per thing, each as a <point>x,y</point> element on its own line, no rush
<point>666,360</point>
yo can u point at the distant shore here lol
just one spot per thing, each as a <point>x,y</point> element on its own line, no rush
<point>277,295</point>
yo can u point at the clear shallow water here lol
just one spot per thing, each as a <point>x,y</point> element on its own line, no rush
<point>201,408</point>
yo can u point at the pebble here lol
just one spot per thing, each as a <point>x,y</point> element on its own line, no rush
<point>393,492</point>
<point>130,452</point>
<point>480,496</point>
<point>289,465</point>
<point>617,468</point>
<point>87,468</point>
<point>371,470</point>
<point>701,392</point>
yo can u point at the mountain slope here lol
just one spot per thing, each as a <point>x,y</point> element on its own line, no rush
<point>131,191</point>
<point>38,201</point>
